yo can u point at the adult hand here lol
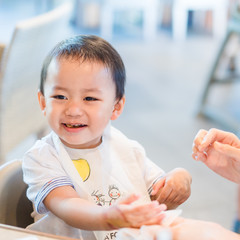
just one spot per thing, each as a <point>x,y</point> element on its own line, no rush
<point>188,229</point>
<point>220,151</point>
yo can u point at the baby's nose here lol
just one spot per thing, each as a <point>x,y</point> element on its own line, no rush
<point>74,109</point>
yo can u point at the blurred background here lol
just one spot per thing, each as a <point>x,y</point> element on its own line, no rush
<point>171,52</point>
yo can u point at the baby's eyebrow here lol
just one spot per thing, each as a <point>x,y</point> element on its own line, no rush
<point>59,88</point>
<point>89,90</point>
<point>83,90</point>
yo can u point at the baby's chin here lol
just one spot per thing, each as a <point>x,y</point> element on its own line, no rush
<point>76,144</point>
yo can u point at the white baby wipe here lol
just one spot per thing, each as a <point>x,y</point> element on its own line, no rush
<point>170,216</point>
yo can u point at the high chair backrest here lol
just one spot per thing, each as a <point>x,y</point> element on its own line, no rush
<point>15,208</point>
<point>20,68</point>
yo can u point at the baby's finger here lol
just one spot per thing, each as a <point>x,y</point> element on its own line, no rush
<point>157,186</point>
<point>130,199</point>
<point>164,194</point>
<point>178,200</point>
<point>142,214</point>
<point>173,197</point>
<point>171,205</point>
<point>174,200</point>
<point>144,208</point>
<point>154,221</point>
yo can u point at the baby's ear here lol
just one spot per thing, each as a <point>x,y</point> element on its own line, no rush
<point>118,108</point>
<point>42,102</point>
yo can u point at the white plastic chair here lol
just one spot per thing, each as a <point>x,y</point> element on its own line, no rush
<point>15,208</point>
<point>20,69</point>
<point>180,15</point>
<point>149,8</point>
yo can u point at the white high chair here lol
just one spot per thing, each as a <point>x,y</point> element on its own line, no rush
<point>180,15</point>
<point>20,67</point>
<point>15,208</point>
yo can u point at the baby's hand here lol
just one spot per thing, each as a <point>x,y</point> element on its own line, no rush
<point>174,189</point>
<point>128,214</point>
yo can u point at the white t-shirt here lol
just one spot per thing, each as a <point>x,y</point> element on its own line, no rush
<point>116,168</point>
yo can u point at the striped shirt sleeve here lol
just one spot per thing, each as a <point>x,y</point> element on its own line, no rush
<point>47,188</point>
<point>156,180</point>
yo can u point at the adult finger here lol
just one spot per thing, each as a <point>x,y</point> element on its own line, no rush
<point>227,150</point>
<point>199,137</point>
<point>216,135</point>
<point>200,156</point>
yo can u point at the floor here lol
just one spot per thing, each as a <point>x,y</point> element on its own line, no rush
<point>165,80</point>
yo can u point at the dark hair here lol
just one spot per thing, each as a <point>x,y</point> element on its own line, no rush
<point>88,48</point>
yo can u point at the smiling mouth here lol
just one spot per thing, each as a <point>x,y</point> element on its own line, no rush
<point>74,125</point>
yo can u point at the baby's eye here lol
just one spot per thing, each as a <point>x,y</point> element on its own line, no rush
<point>90,99</point>
<point>61,97</point>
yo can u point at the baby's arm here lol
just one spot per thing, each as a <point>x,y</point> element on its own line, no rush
<point>173,189</point>
<point>65,203</point>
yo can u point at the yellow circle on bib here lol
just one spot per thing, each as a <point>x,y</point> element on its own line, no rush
<point>83,168</point>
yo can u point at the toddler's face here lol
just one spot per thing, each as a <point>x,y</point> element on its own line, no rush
<point>79,101</point>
